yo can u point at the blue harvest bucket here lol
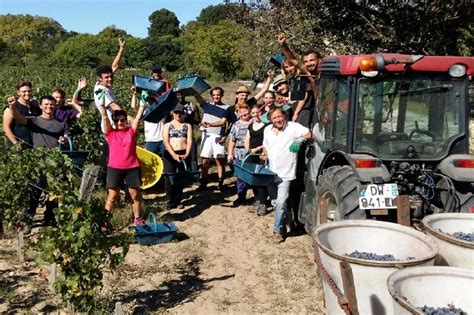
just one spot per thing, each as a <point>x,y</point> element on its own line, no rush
<point>253,174</point>
<point>277,60</point>
<point>192,84</point>
<point>147,84</point>
<point>78,157</point>
<point>153,232</point>
<point>162,107</point>
<point>184,177</point>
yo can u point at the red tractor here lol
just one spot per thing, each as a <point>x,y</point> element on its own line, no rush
<point>389,125</point>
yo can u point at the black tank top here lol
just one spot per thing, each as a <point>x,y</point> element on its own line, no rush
<point>20,131</point>
<point>256,136</point>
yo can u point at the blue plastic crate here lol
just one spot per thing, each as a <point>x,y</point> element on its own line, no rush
<point>162,107</point>
<point>147,84</point>
<point>253,174</point>
<point>153,232</point>
<point>192,84</point>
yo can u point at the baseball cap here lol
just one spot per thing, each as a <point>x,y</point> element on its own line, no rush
<point>179,108</point>
<point>156,68</point>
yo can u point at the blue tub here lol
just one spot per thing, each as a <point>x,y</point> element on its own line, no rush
<point>162,107</point>
<point>253,174</point>
<point>192,84</point>
<point>153,232</point>
<point>147,84</point>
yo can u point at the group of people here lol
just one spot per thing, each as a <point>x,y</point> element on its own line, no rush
<point>269,128</point>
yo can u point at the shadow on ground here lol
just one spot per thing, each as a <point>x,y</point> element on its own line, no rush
<point>173,292</point>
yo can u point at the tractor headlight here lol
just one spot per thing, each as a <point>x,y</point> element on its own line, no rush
<point>457,71</point>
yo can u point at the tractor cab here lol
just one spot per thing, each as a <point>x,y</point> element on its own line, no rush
<point>389,125</point>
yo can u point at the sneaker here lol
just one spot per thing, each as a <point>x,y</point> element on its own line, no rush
<point>278,238</point>
<point>262,210</point>
<point>138,221</point>
<point>254,206</point>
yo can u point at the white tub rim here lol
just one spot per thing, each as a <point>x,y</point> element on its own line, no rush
<point>371,223</point>
<point>420,271</point>
<point>429,219</point>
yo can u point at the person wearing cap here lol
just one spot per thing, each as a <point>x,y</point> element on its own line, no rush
<point>177,138</point>
<point>157,74</point>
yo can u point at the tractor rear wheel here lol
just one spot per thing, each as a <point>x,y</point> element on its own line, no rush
<point>337,196</point>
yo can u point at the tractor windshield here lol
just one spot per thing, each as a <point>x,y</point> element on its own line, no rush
<point>409,116</point>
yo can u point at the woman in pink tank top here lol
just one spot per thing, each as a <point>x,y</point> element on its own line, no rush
<point>123,163</point>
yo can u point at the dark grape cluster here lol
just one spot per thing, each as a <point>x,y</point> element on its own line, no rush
<point>464,236</point>
<point>373,256</point>
<point>461,235</point>
<point>449,310</point>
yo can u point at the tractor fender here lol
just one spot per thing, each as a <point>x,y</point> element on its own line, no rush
<point>364,175</point>
<point>460,174</point>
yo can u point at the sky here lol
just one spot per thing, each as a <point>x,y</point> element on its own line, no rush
<point>92,16</point>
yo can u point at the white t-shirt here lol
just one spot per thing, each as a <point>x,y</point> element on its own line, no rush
<point>153,131</point>
<point>281,160</point>
<point>103,96</point>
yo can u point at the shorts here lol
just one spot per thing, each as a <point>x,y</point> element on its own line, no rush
<point>116,177</point>
<point>210,147</point>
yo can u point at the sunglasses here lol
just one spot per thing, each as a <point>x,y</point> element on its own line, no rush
<point>122,120</point>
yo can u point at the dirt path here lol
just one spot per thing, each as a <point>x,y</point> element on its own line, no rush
<point>223,262</point>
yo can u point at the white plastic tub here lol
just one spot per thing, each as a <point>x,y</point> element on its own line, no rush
<point>452,251</point>
<point>336,239</point>
<point>413,288</point>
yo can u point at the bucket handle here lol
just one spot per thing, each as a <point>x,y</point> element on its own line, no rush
<point>71,146</point>
<point>246,157</point>
<point>185,166</point>
<point>152,220</point>
<point>419,226</point>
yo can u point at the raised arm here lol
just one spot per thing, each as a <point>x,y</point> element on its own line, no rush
<point>199,99</point>
<point>105,119</point>
<point>266,84</point>
<point>16,114</point>
<point>118,57</point>
<point>139,115</point>
<point>133,102</point>
<point>284,47</point>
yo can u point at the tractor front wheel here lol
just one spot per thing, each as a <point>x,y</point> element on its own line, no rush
<point>337,196</point>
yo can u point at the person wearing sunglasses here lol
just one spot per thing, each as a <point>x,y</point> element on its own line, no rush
<point>123,163</point>
<point>178,139</point>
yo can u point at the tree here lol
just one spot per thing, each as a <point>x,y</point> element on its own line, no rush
<point>112,32</point>
<point>28,38</point>
<point>214,49</point>
<point>163,22</point>
<point>433,27</point>
<point>213,14</point>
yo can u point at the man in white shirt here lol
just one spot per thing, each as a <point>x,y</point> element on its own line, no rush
<point>103,94</point>
<point>281,142</point>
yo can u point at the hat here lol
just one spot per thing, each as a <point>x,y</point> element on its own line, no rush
<point>242,89</point>
<point>279,79</point>
<point>179,108</point>
<point>156,68</point>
